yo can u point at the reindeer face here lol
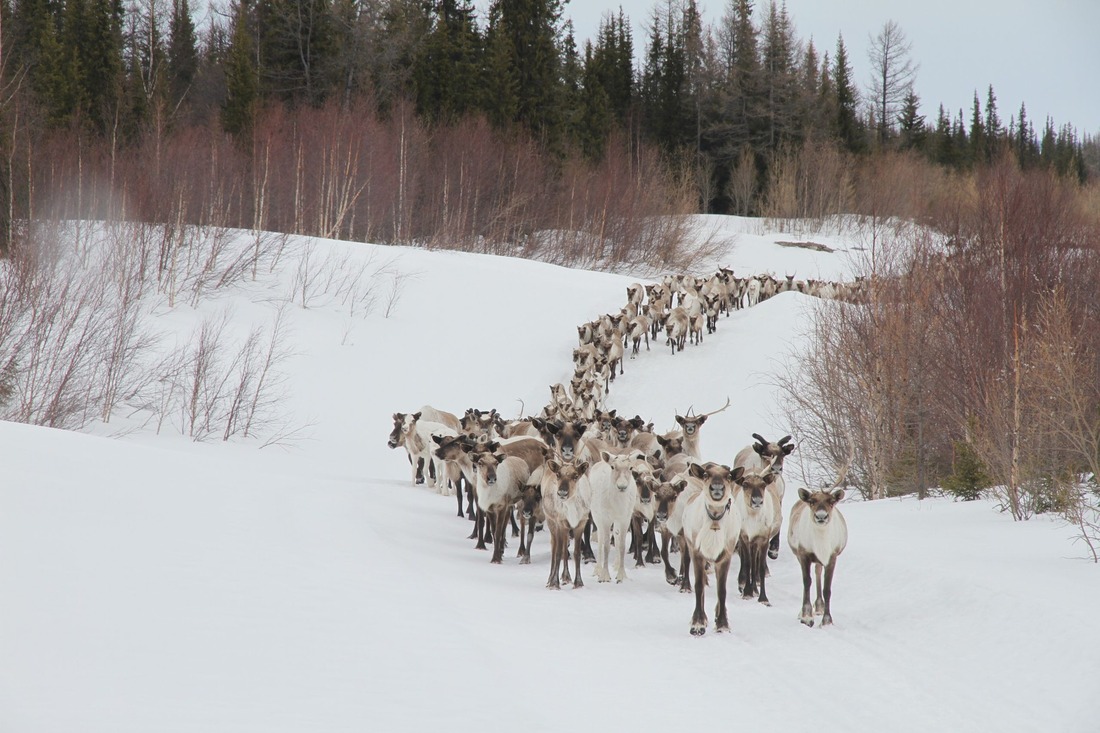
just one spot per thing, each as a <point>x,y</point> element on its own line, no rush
<point>821,503</point>
<point>755,486</point>
<point>529,501</point>
<point>666,495</point>
<point>624,430</point>
<point>673,445</point>
<point>562,479</point>
<point>622,475</point>
<point>451,448</point>
<point>397,437</point>
<point>691,425</point>
<point>717,480</point>
<point>486,465</point>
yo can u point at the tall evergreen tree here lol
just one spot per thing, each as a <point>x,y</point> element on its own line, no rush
<point>296,41</point>
<point>183,57</point>
<point>994,132</point>
<point>780,81</point>
<point>848,129</point>
<point>978,146</point>
<point>241,82</point>
<point>501,91</point>
<point>911,128</point>
<point>446,74</point>
<point>531,26</point>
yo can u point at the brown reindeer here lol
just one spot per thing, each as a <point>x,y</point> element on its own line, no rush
<point>566,499</point>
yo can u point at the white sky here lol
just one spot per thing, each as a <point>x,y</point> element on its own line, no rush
<point>1045,54</point>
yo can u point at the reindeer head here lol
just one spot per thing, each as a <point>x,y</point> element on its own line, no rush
<point>564,436</point>
<point>754,486</point>
<point>486,464</point>
<point>397,437</point>
<point>625,428</point>
<point>691,424</point>
<point>672,444</point>
<point>451,448</point>
<point>774,451</point>
<point>718,482</point>
<point>821,503</point>
<point>529,500</point>
<point>562,478</point>
<point>665,494</point>
<point>622,469</point>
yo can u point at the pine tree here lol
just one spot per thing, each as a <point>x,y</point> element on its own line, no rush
<point>501,98</point>
<point>446,72</point>
<point>183,59</point>
<point>531,27</point>
<point>912,132</point>
<point>780,83</point>
<point>978,146</point>
<point>848,129</point>
<point>994,132</point>
<point>241,83</point>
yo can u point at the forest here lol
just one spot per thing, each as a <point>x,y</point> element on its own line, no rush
<point>420,121</point>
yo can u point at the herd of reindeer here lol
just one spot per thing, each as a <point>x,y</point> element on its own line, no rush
<point>577,465</point>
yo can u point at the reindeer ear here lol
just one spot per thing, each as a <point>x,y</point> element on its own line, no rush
<point>758,448</point>
<point>416,416</point>
<point>737,474</point>
<point>804,495</point>
<point>788,449</point>
<point>837,495</point>
<point>552,428</point>
<point>492,446</point>
<point>438,439</point>
<point>680,419</point>
<point>605,456</point>
<point>662,441</point>
<point>702,419</point>
<point>499,457</point>
<point>582,468</point>
<point>696,470</point>
<point>679,486</point>
<point>398,417</point>
<point>553,465</point>
<point>579,427</point>
<point>770,478</point>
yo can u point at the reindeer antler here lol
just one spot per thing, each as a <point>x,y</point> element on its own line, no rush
<point>718,410</point>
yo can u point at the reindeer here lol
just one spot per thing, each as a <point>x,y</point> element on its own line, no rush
<point>711,531</point>
<point>614,494</point>
<point>753,459</point>
<point>566,497</point>
<point>676,329</point>
<point>454,455</point>
<point>500,480</point>
<point>690,424</point>
<point>817,535</point>
<point>668,516</point>
<point>761,519</point>
<point>531,516</point>
<point>639,329</point>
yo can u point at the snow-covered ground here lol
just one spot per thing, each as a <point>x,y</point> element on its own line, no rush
<point>153,584</point>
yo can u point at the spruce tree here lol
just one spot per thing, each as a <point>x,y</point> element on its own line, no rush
<point>978,148</point>
<point>241,84</point>
<point>446,72</point>
<point>912,132</point>
<point>848,129</point>
<point>183,58</point>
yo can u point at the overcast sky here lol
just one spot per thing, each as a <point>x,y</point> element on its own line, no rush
<point>1046,53</point>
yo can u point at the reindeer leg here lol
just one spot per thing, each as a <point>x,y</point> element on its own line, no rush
<point>589,555</point>
<point>670,575</point>
<point>620,549</point>
<point>603,541</point>
<point>807,615</point>
<point>827,618</point>
<point>699,618</point>
<point>744,579</point>
<point>721,572</point>
<point>500,528</point>
<point>685,568</point>
<point>458,495</point>
<point>653,555</point>
<point>762,570</point>
<point>555,558</point>
<point>530,541</point>
<point>773,547</point>
<point>418,474</point>
<point>522,551</point>
<point>480,530</point>
<point>636,541</point>
<point>515,527</point>
<point>579,582</point>
<point>470,514</point>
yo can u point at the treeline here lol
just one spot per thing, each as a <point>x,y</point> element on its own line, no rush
<point>736,109</point>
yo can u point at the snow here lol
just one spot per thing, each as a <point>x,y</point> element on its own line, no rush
<point>148,583</point>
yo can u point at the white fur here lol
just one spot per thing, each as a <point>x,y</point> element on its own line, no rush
<point>614,493</point>
<point>421,445</point>
<point>824,541</point>
<point>512,474</point>
<point>709,538</point>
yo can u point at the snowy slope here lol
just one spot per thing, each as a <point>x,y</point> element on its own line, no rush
<point>152,584</point>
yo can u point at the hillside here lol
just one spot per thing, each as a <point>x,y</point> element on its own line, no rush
<point>152,583</point>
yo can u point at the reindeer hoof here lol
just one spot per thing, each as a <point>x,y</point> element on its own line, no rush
<point>826,621</point>
<point>525,560</point>
<point>773,554</point>
<point>578,584</point>
<point>722,628</point>
<point>807,621</point>
<point>672,580</point>
<point>685,589</point>
<point>698,630</point>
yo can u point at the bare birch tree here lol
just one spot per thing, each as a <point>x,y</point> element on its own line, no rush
<point>892,75</point>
